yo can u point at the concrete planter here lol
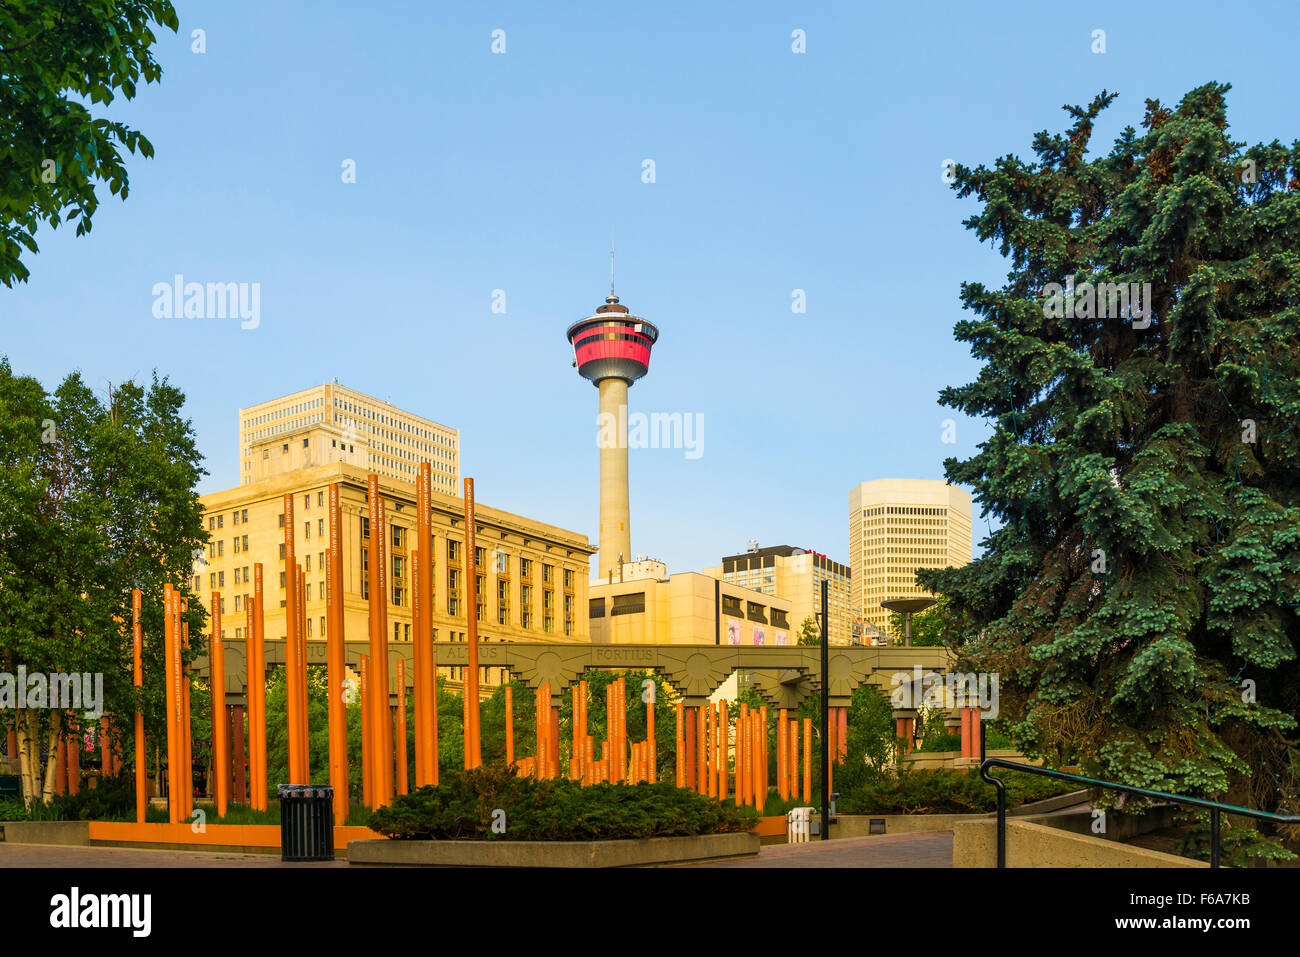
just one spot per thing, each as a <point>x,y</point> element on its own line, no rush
<point>646,852</point>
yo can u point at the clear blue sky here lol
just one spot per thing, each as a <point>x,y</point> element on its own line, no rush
<point>476,172</point>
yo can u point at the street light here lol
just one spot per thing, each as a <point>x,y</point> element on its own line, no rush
<point>907,607</point>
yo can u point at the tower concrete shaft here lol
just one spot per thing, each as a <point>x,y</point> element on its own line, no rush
<point>615,511</point>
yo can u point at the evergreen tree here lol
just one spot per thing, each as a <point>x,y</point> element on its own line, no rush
<point>1140,598</point>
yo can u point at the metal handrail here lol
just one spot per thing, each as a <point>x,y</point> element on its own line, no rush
<point>1215,807</point>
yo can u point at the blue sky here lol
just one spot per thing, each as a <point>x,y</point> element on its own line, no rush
<point>476,171</point>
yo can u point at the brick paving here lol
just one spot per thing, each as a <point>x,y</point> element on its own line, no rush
<point>924,849</point>
<point>51,855</point>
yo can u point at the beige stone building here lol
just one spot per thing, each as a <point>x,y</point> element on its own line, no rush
<point>532,577</point>
<point>897,526</point>
<point>795,574</point>
<point>648,606</point>
<point>329,424</point>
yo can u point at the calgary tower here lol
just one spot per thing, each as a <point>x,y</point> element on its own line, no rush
<point>612,350</point>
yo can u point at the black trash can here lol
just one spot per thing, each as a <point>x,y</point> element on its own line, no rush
<point>306,822</point>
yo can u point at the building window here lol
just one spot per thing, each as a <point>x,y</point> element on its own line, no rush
<point>633,604</point>
<point>478,596</point>
<point>525,568</point>
<point>306,529</point>
<point>548,573</point>
<point>568,614</point>
<point>754,612</point>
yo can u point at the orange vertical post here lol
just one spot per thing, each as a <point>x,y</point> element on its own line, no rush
<point>553,726</point>
<point>701,748</point>
<point>724,745</point>
<point>291,688</point>
<point>418,612</point>
<point>378,686</point>
<point>187,724</point>
<point>690,723</point>
<point>474,754</point>
<point>742,754</point>
<point>510,725</point>
<point>792,761</point>
<point>367,744</point>
<point>336,658</point>
<point>681,747</point>
<point>171,644</point>
<point>763,757</point>
<point>575,748</point>
<point>652,758</point>
<point>782,754</point>
<point>401,727</point>
<point>843,737</point>
<point>257,782</point>
<point>711,736</point>
<point>807,761</point>
<point>220,744</point>
<point>141,762</point>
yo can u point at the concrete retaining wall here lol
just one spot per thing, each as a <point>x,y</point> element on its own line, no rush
<point>631,853</point>
<point>46,832</point>
<point>974,844</point>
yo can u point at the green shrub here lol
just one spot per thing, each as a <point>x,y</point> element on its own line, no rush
<point>462,807</point>
<point>945,792</point>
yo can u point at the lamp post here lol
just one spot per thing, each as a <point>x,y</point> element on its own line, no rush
<point>907,607</point>
<point>823,619</point>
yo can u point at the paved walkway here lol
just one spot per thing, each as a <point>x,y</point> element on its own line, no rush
<point>925,849</point>
<point>51,855</point>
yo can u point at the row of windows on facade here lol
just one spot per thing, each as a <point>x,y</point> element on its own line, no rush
<point>903,510</point>
<point>400,596</point>
<point>365,413</point>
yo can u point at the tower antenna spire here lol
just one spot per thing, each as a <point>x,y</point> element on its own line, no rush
<point>611,263</point>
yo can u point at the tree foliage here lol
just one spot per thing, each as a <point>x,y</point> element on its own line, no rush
<point>58,60</point>
<point>95,499</point>
<point>1146,469</point>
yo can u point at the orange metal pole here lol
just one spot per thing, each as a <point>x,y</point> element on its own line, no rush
<point>742,753</point>
<point>792,759</point>
<point>724,745</point>
<point>304,740</point>
<point>474,754</point>
<point>141,762</point>
<point>510,725</point>
<point>763,748</point>
<point>539,733</point>
<point>710,740</point>
<point>257,699</point>
<point>187,723</point>
<point>651,771</point>
<point>844,733</point>
<point>681,748</point>
<point>782,755</point>
<point>336,659</point>
<point>367,759</point>
<point>418,612</point>
<point>807,760</point>
<point>689,723</point>
<point>575,748</point>
<point>291,642</point>
<point>401,727</point>
<point>702,749</point>
<point>381,735</point>
<point>220,744</point>
<point>173,710</point>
